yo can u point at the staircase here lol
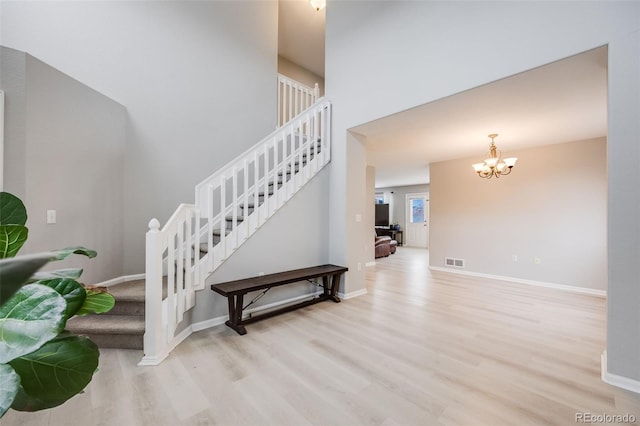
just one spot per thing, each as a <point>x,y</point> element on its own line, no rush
<point>230,206</point>
<point>123,326</point>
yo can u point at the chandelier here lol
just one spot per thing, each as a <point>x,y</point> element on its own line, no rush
<point>318,5</point>
<point>494,165</point>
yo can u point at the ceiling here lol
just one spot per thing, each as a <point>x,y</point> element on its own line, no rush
<point>560,102</point>
<point>301,34</point>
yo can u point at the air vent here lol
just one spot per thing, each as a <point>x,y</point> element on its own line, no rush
<point>454,263</point>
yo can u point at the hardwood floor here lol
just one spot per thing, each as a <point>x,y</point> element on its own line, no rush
<point>421,348</point>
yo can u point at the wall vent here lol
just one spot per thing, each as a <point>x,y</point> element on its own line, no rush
<point>454,263</point>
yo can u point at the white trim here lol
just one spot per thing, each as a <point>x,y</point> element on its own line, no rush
<point>120,280</point>
<point>616,380</point>
<point>563,287</point>
<point>353,294</point>
<point>368,264</point>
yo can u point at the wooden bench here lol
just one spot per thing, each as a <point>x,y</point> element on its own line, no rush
<point>234,291</point>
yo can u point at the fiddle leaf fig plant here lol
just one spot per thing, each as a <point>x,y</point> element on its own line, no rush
<point>13,232</point>
<point>41,364</point>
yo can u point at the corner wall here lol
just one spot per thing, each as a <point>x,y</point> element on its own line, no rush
<point>198,80</point>
<point>66,142</point>
<point>388,56</point>
<point>553,206</point>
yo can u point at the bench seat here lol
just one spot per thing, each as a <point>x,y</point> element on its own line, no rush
<point>234,291</point>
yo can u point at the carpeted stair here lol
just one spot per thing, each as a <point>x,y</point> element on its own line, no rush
<point>123,326</point>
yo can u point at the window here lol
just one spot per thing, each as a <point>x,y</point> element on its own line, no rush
<point>417,210</point>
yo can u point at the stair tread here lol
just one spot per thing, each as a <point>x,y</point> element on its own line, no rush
<point>107,324</point>
<point>130,291</point>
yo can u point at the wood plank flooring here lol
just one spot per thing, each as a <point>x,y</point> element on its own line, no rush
<point>421,348</point>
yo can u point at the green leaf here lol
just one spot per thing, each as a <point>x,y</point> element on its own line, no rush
<point>31,317</point>
<point>12,238</point>
<point>97,302</point>
<point>16,271</point>
<point>54,373</point>
<point>72,292</point>
<point>73,273</point>
<point>9,385</point>
<point>12,210</point>
<point>66,252</point>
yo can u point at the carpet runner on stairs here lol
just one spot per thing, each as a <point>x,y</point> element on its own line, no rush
<point>123,326</point>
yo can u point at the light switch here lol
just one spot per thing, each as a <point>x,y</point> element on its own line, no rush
<point>51,216</point>
<point>358,218</point>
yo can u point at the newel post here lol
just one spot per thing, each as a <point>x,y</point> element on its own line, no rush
<point>154,339</point>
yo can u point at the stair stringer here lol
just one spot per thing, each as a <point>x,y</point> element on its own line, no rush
<point>200,237</point>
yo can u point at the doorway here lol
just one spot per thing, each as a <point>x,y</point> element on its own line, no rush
<point>417,220</point>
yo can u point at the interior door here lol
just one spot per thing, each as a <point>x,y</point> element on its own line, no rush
<point>417,223</point>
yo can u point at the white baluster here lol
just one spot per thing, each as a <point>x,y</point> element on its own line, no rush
<point>171,286</point>
<point>234,208</point>
<point>209,227</point>
<point>256,180</point>
<point>265,205</point>
<point>223,222</point>
<point>180,272</point>
<point>279,102</point>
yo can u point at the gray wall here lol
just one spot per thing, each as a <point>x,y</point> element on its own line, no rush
<point>553,206</point>
<point>295,237</point>
<point>368,76</point>
<point>65,152</point>
<point>398,202</point>
<point>198,80</point>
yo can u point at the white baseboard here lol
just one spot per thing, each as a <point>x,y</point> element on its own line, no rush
<point>616,380</point>
<point>120,280</point>
<point>150,361</point>
<point>563,287</point>
<point>213,322</point>
<point>352,294</point>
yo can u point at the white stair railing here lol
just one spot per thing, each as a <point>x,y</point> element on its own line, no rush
<point>293,98</point>
<point>230,206</point>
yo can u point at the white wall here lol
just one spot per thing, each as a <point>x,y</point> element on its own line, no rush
<point>388,56</point>
<point>552,206</point>
<point>295,237</point>
<point>198,80</point>
<point>65,150</point>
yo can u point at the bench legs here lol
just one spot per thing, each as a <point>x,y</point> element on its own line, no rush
<point>330,292</point>
<point>235,314</point>
<point>330,284</point>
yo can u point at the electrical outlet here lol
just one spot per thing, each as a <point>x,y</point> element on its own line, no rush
<point>51,216</point>
<point>514,257</point>
<point>358,218</point>
<point>359,266</point>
